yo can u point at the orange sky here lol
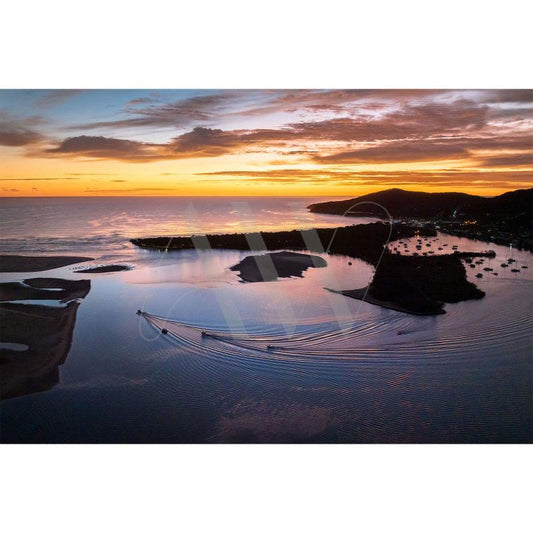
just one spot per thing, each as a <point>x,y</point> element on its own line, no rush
<point>290,143</point>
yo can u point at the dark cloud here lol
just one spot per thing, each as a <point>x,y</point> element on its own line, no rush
<point>508,160</point>
<point>19,137</point>
<point>106,148</point>
<point>55,97</point>
<point>396,152</point>
<point>179,114</point>
<point>149,112</point>
<point>508,96</point>
<point>407,122</point>
<point>20,132</point>
<point>424,131</point>
<point>200,142</point>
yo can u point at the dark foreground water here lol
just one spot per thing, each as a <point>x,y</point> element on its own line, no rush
<point>340,371</point>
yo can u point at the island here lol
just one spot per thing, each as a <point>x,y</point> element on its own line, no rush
<point>417,285</point>
<point>270,267</point>
<point>412,284</point>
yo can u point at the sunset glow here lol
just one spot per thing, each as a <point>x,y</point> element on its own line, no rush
<point>268,143</point>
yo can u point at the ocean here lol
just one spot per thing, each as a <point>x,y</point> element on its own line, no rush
<point>339,373</point>
<point>64,225</point>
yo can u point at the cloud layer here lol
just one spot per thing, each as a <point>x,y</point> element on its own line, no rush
<point>483,134</point>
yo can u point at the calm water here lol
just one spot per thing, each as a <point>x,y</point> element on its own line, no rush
<point>96,225</point>
<point>340,371</point>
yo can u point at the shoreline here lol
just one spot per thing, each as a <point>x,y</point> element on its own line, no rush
<point>415,284</point>
<point>359,294</point>
<point>28,263</point>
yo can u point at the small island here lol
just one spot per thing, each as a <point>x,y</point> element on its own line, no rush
<point>417,285</point>
<point>270,267</point>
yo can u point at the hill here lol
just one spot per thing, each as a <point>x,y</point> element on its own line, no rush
<point>412,204</point>
<point>504,219</point>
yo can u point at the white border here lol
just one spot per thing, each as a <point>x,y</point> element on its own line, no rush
<point>279,44</point>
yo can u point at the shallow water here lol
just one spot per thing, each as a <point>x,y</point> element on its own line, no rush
<point>339,371</point>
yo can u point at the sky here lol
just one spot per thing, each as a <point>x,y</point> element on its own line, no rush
<point>263,142</point>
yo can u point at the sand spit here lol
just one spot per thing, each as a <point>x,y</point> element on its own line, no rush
<point>24,263</point>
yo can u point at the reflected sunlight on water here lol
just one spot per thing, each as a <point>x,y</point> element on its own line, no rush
<point>339,373</point>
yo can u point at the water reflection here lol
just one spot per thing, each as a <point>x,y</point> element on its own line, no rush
<point>36,339</point>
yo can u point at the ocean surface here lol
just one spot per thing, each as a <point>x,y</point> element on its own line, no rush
<point>96,225</point>
<point>287,361</point>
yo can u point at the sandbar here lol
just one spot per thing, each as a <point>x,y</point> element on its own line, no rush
<point>26,263</point>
